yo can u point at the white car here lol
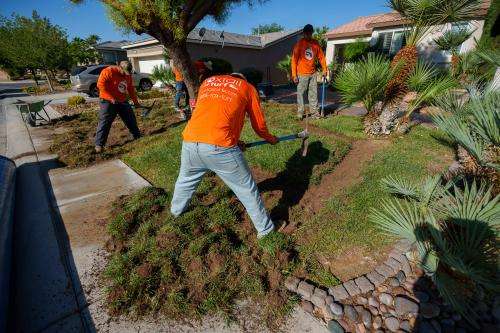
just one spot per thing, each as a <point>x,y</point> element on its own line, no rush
<point>84,79</point>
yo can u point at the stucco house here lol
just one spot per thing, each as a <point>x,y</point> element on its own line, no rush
<point>385,34</point>
<point>111,51</point>
<point>259,51</point>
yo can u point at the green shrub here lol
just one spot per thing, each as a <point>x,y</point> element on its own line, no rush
<point>355,51</point>
<point>162,74</point>
<point>219,66</point>
<point>75,101</point>
<point>285,65</point>
<point>253,75</point>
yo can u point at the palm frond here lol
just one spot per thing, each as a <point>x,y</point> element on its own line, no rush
<point>451,39</point>
<point>421,76</point>
<point>431,91</point>
<point>486,117</point>
<point>400,186</point>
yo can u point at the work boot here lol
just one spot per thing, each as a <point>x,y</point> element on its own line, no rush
<point>98,149</point>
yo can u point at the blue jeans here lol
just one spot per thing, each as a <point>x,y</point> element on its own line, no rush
<point>230,165</point>
<point>180,89</point>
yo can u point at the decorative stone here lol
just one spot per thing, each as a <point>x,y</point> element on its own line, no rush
<point>384,270</point>
<point>405,326</point>
<point>382,289</point>
<point>291,284</point>
<point>327,312</point>
<point>337,309</point>
<point>405,265</point>
<point>366,318</point>
<point>394,264</point>
<point>360,328</point>
<point>375,278</point>
<point>351,313</point>
<point>403,245</point>
<point>398,291</point>
<point>421,296</point>
<point>401,277</point>
<point>429,310</point>
<point>318,297</point>
<point>339,293</point>
<point>404,306</point>
<point>307,306</point>
<point>393,282</point>
<point>386,299</point>
<point>373,310</point>
<point>392,324</point>
<point>373,302</point>
<point>383,308</point>
<point>352,288</point>
<point>362,300</point>
<point>364,284</point>
<point>334,327</point>
<point>393,313</point>
<point>305,290</point>
<point>328,300</point>
<point>377,323</point>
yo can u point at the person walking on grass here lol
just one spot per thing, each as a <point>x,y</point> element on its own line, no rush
<point>211,142</point>
<point>304,56</point>
<point>115,87</point>
<point>180,90</point>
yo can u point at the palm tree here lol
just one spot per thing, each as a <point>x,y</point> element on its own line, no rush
<point>420,17</point>
<point>285,65</point>
<point>455,228</point>
<point>451,41</point>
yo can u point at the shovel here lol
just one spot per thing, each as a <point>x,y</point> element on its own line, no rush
<point>147,109</point>
<point>302,135</point>
<point>323,91</point>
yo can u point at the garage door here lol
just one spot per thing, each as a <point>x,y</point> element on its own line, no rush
<point>146,66</point>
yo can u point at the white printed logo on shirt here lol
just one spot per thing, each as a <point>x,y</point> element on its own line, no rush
<point>309,54</point>
<point>122,87</point>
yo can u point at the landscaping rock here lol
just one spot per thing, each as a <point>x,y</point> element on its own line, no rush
<point>305,290</point>
<point>398,291</point>
<point>375,278</point>
<point>405,326</point>
<point>318,297</point>
<point>373,311</point>
<point>351,313</point>
<point>404,306</point>
<point>360,328</point>
<point>373,302</point>
<point>327,312</point>
<point>429,310</point>
<point>393,282</point>
<point>334,327</point>
<point>328,300</point>
<point>307,306</point>
<point>337,309</point>
<point>403,245</point>
<point>339,293</point>
<point>386,299</point>
<point>401,277</point>
<point>366,318</point>
<point>291,284</point>
<point>377,323</point>
<point>384,270</point>
<point>352,288</point>
<point>405,264</point>
<point>364,284</point>
<point>362,300</point>
<point>394,264</point>
<point>392,324</point>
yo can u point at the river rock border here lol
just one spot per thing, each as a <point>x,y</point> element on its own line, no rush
<point>394,297</point>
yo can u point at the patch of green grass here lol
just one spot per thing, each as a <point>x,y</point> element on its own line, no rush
<point>344,225</point>
<point>350,126</point>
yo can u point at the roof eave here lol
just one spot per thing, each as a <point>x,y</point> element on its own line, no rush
<point>349,34</point>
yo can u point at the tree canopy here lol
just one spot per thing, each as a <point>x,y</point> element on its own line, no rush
<point>83,51</point>
<point>267,28</point>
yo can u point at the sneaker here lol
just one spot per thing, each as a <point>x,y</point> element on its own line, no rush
<point>98,149</point>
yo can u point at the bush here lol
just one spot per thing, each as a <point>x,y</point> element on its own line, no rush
<point>253,75</point>
<point>75,101</point>
<point>153,93</point>
<point>285,65</point>
<point>162,74</point>
<point>355,51</point>
<point>219,66</point>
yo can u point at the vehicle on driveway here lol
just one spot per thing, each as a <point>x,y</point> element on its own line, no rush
<point>84,79</point>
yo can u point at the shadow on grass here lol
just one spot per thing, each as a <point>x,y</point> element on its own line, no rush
<point>294,181</point>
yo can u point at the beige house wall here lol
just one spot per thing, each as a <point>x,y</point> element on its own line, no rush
<point>240,57</point>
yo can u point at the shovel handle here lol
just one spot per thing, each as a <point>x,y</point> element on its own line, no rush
<point>263,142</point>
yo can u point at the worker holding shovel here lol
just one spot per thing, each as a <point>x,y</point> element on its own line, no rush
<point>115,87</point>
<point>211,142</point>
<point>305,53</point>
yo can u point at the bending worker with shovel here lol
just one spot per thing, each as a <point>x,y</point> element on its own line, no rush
<point>211,142</point>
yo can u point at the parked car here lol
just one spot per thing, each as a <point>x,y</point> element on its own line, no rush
<point>84,79</point>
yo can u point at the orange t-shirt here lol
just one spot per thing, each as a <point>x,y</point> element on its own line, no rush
<point>223,101</point>
<point>304,55</point>
<point>113,84</point>
<point>178,75</point>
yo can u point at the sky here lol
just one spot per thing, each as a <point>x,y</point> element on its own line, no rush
<point>90,17</point>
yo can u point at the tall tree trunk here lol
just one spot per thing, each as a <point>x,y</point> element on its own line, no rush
<point>182,61</point>
<point>33,72</point>
<point>51,88</point>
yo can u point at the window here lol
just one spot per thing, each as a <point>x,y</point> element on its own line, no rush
<point>97,71</point>
<point>390,43</point>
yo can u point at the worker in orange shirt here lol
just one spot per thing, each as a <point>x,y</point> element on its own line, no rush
<point>180,89</point>
<point>115,87</point>
<point>211,142</point>
<point>304,56</point>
